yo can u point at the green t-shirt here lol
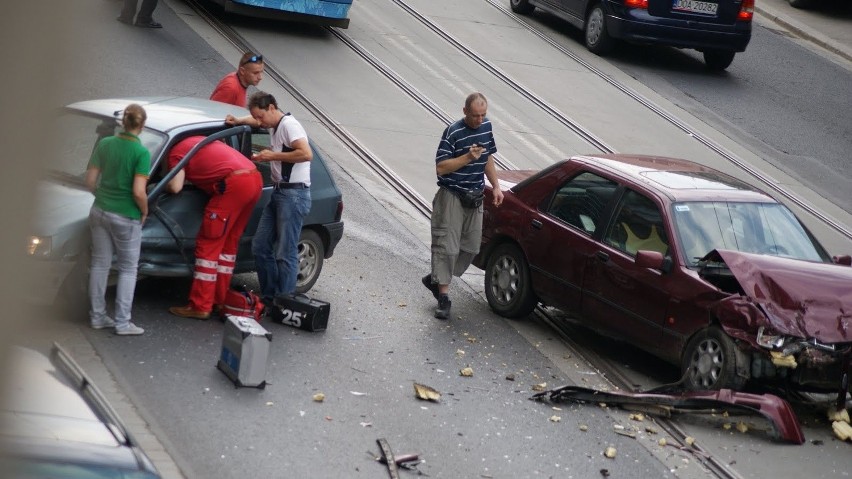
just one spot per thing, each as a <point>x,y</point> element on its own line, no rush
<point>120,158</point>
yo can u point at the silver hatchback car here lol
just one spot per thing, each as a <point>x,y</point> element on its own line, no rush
<point>59,244</point>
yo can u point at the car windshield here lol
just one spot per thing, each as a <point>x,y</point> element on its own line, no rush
<point>78,135</point>
<point>763,228</point>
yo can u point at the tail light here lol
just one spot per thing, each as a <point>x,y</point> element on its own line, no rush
<point>746,11</point>
<point>643,4</point>
<point>339,213</point>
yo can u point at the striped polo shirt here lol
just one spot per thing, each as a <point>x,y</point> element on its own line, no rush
<point>456,141</point>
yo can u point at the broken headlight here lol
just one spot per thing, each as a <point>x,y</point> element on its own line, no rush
<point>769,341</point>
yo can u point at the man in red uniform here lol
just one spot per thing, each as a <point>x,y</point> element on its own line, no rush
<point>232,88</point>
<point>235,186</point>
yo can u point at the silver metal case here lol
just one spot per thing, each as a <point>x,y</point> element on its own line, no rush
<point>245,352</point>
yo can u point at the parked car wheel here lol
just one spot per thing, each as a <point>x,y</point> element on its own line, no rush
<point>598,40</point>
<point>710,361</point>
<point>311,257</point>
<point>718,60</point>
<point>521,6</point>
<point>800,3</point>
<point>507,282</point>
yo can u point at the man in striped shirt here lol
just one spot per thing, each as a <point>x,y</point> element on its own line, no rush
<point>462,161</point>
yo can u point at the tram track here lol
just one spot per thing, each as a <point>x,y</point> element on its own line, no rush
<point>356,147</point>
<point>597,143</point>
<point>610,372</point>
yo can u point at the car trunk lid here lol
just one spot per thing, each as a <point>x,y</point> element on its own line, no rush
<point>722,12</point>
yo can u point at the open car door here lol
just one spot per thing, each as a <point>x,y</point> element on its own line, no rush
<point>168,236</point>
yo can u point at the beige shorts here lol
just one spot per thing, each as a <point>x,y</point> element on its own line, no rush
<point>456,236</point>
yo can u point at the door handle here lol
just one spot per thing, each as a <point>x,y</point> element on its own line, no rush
<point>602,257</point>
<point>536,224</point>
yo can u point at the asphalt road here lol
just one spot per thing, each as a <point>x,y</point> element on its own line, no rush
<point>381,336</point>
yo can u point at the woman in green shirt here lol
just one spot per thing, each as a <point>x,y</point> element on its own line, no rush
<point>118,175</point>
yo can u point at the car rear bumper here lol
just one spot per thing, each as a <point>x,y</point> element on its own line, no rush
<point>335,233</point>
<point>638,26</point>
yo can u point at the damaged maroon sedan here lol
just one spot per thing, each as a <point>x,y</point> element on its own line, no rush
<point>679,259</point>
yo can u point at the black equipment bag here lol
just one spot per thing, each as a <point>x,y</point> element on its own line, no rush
<point>300,311</point>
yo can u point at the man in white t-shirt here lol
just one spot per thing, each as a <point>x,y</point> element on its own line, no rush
<point>276,241</point>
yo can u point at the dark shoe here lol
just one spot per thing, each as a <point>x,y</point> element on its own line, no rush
<point>188,312</point>
<point>444,303</point>
<point>125,21</point>
<point>433,287</point>
<point>151,24</point>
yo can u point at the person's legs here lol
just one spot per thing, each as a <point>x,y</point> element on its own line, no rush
<point>99,269</point>
<point>208,247</point>
<point>127,237</point>
<point>296,204</point>
<point>447,222</point>
<point>146,12</point>
<point>245,191</point>
<point>262,247</point>
<point>470,239</point>
<point>128,11</point>
<point>446,225</point>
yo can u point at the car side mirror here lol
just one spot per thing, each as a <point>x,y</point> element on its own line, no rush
<point>653,260</point>
<point>843,259</point>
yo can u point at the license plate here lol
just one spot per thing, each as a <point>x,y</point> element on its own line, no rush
<point>694,6</point>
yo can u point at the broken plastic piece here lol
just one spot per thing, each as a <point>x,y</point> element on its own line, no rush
<point>427,393</point>
<point>782,361</point>
<point>842,430</point>
<point>778,411</point>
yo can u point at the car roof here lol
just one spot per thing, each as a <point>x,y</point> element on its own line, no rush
<point>680,180</point>
<point>164,113</point>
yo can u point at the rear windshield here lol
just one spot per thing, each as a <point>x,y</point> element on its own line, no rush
<point>77,136</point>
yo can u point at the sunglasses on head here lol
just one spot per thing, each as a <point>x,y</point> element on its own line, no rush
<point>253,59</point>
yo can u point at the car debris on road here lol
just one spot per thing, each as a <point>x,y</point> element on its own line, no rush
<point>778,411</point>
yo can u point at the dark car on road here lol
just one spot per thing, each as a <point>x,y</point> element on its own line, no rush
<point>54,423</point>
<point>59,244</point>
<point>678,259</point>
<point>717,28</point>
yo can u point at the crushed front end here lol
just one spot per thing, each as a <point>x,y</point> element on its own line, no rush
<point>793,317</point>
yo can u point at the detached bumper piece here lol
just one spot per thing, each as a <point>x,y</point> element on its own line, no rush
<point>785,424</point>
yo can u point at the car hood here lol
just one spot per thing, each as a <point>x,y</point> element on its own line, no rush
<point>791,297</point>
<point>60,205</point>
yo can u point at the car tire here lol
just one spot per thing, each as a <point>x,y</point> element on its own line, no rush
<point>710,362</point>
<point>311,258</point>
<point>521,6</point>
<point>507,282</point>
<point>800,3</point>
<point>595,33</point>
<point>718,60</point>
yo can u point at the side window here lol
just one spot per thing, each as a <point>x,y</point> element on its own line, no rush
<point>638,226</point>
<point>581,201</point>
<point>260,140</point>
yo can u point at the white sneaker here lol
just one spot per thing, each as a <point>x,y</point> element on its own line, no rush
<point>105,322</point>
<point>128,329</point>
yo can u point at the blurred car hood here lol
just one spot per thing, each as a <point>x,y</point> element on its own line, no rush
<point>796,298</point>
<point>59,204</point>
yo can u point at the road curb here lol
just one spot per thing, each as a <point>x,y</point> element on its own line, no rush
<point>805,32</point>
